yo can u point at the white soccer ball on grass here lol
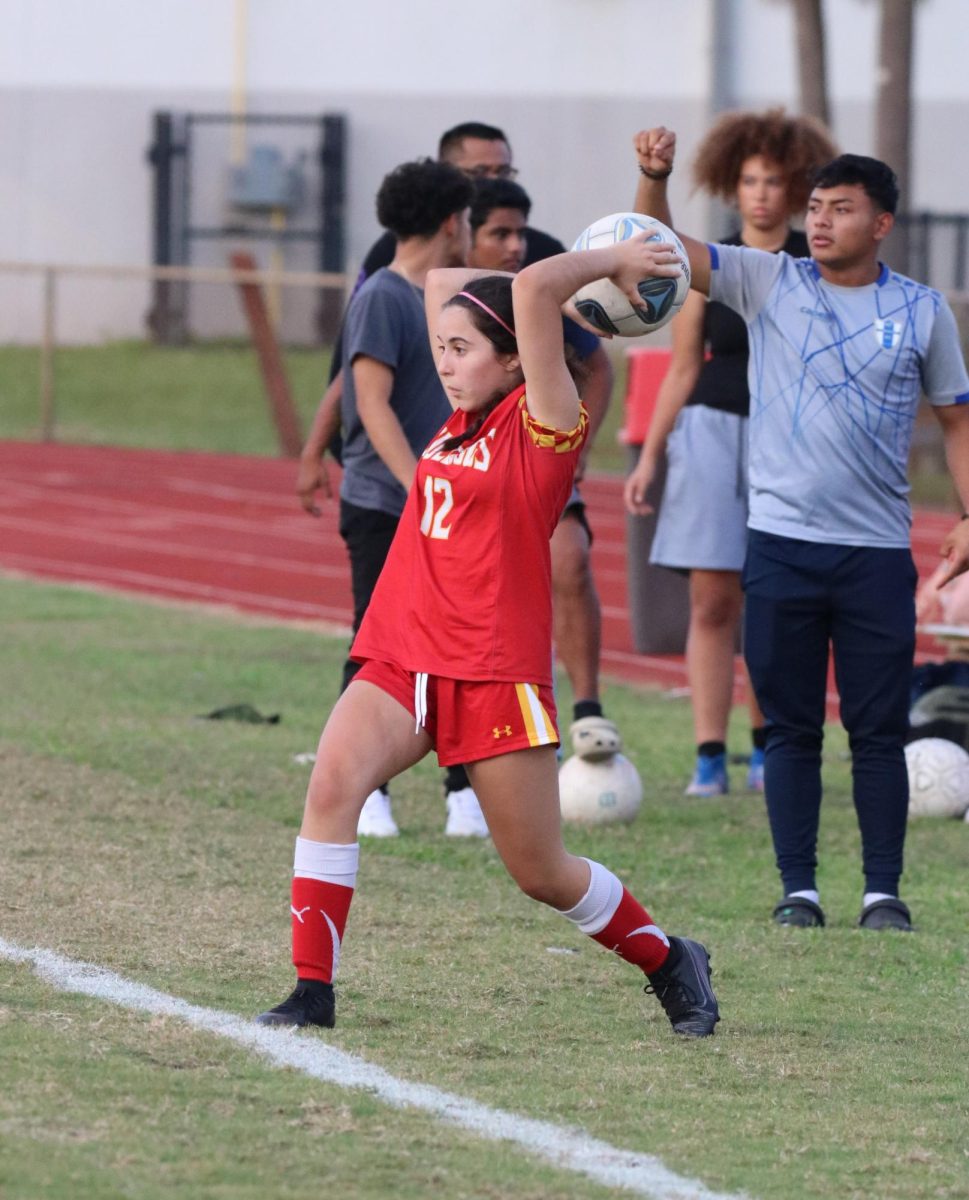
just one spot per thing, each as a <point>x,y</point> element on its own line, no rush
<point>938,778</point>
<point>599,792</point>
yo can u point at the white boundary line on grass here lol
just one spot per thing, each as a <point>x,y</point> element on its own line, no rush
<point>567,1148</point>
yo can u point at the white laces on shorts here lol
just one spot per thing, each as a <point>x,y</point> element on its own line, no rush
<point>420,700</point>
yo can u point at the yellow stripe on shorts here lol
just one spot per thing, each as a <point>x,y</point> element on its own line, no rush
<point>540,730</point>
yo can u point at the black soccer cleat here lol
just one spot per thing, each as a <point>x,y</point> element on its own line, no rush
<point>310,1003</point>
<point>682,985</point>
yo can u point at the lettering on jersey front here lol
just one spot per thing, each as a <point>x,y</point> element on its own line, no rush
<point>438,502</point>
<point>476,454</point>
<point>888,332</point>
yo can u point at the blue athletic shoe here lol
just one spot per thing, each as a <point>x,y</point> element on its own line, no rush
<point>755,772</point>
<point>709,776</point>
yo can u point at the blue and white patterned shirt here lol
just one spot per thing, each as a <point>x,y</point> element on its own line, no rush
<point>836,375</point>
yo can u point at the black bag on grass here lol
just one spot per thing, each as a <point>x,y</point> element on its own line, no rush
<point>940,703</point>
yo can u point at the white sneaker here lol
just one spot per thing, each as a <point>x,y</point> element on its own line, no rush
<point>376,819</point>
<point>594,738</point>
<point>464,815</point>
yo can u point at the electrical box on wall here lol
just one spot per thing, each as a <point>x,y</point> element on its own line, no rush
<point>267,182</point>
<point>286,197</point>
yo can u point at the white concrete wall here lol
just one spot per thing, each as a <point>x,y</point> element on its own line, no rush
<point>422,47</point>
<point>570,81</point>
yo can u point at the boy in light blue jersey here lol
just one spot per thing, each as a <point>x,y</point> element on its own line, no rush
<point>842,349</point>
<point>836,377</point>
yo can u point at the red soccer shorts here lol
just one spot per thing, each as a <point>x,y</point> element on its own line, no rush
<point>470,720</point>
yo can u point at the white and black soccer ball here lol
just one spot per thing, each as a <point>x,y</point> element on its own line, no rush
<point>938,778</point>
<point>603,305</point>
<point>599,792</point>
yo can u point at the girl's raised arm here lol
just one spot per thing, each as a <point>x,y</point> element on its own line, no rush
<point>540,291</point>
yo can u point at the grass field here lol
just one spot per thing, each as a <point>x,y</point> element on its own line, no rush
<point>207,396</point>
<point>199,397</point>
<point>139,837</point>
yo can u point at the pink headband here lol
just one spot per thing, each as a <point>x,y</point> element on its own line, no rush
<point>490,311</point>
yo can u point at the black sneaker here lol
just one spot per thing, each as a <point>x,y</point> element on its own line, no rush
<point>311,1003</point>
<point>682,986</point>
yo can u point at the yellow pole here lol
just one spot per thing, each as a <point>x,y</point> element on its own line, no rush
<point>237,99</point>
<point>277,262</point>
<point>237,149</point>
<point>47,343</point>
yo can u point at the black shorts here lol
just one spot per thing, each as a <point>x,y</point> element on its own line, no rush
<point>575,509</point>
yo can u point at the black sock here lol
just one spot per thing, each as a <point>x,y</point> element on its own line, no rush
<point>711,749</point>
<point>316,986</point>
<point>759,737</point>
<point>674,955</point>
<point>456,779</point>
<point>586,708</point>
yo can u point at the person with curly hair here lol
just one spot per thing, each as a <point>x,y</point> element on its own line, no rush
<point>843,350</point>
<point>392,400</point>
<point>760,164</point>
<point>483,154</point>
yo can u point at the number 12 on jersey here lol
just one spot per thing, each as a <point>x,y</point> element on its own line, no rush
<point>438,502</point>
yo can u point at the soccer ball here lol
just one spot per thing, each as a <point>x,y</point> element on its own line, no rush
<point>599,792</point>
<point>604,305</point>
<point>938,778</point>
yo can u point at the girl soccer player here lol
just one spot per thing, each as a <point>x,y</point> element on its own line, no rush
<point>456,643</point>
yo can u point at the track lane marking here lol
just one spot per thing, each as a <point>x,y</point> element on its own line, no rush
<point>133,583</point>
<point>148,545</point>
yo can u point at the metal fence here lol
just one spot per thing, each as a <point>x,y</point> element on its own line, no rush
<point>938,249</point>
<point>50,275</point>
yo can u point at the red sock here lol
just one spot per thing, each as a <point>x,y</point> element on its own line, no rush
<point>632,935</point>
<point>319,917</point>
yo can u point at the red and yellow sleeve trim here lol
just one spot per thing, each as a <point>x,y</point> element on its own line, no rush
<point>561,441</point>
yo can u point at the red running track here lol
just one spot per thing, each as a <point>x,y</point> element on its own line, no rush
<point>227,530</point>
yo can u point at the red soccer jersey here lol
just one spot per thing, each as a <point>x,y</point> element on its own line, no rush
<point>466,590</point>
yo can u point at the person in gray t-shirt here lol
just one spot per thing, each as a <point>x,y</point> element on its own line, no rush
<point>842,350</point>
<point>392,400</point>
<point>393,373</point>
